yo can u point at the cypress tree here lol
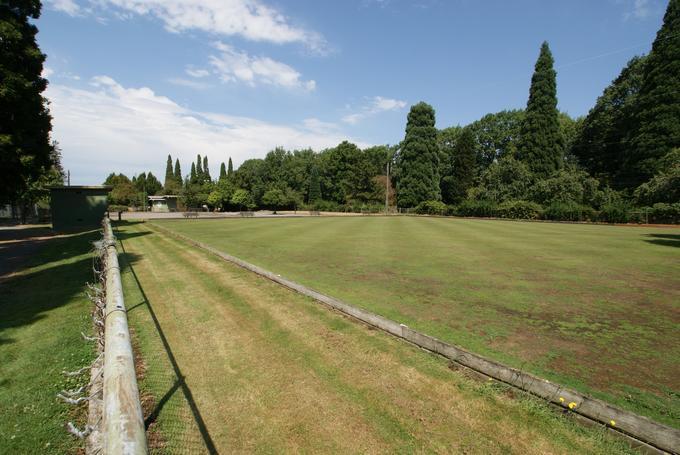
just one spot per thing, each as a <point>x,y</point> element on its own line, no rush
<point>178,172</point>
<point>206,169</point>
<point>169,175</point>
<point>541,145</point>
<point>656,119</point>
<point>193,176</point>
<point>199,169</point>
<point>25,122</point>
<point>223,171</point>
<point>230,169</point>
<point>314,193</point>
<point>419,160</point>
<point>464,159</point>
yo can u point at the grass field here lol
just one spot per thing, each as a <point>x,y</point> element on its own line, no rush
<point>593,307</point>
<point>43,309</point>
<point>265,370</point>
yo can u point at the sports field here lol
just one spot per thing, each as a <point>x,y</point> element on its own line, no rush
<point>261,369</point>
<point>593,307</point>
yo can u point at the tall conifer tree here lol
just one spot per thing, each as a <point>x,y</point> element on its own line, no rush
<point>223,171</point>
<point>206,169</point>
<point>169,175</point>
<point>193,177</point>
<point>541,144</point>
<point>230,169</point>
<point>178,172</point>
<point>25,123</point>
<point>199,169</point>
<point>419,160</point>
<point>656,122</point>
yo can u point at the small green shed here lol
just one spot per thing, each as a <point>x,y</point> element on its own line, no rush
<point>78,207</point>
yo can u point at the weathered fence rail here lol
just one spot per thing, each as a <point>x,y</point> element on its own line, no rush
<point>123,422</point>
<point>653,435</point>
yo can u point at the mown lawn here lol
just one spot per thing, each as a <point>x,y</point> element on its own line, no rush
<point>265,370</point>
<point>593,307</point>
<point>43,310</point>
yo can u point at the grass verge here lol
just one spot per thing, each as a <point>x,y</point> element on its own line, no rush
<point>43,309</point>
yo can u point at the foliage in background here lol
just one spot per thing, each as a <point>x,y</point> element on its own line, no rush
<point>419,159</point>
<point>541,143</point>
<point>655,120</point>
<point>27,158</point>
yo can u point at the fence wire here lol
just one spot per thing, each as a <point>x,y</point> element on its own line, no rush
<point>173,421</point>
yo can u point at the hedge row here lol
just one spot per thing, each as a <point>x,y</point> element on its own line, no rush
<point>559,211</point>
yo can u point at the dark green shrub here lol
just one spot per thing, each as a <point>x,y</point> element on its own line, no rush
<point>615,213</point>
<point>519,210</point>
<point>481,208</point>
<point>663,213</point>
<point>431,208</point>
<point>569,211</point>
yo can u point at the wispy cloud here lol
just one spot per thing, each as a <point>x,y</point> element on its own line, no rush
<point>196,85</point>
<point>69,7</point>
<point>133,130</point>
<point>236,66</point>
<point>638,9</point>
<point>250,19</point>
<point>197,72</point>
<point>376,105</point>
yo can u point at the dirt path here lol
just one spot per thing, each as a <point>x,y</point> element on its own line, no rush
<point>271,371</point>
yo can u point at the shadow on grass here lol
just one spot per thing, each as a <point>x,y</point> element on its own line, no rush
<point>27,297</point>
<point>672,240</point>
<point>179,383</point>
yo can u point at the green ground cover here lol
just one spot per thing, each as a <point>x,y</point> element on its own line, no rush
<point>43,309</point>
<point>593,307</point>
<point>235,362</point>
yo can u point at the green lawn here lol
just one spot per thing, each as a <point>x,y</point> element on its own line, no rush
<point>43,309</point>
<point>266,370</point>
<point>593,307</point>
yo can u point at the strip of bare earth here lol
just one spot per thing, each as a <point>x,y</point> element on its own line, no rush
<point>640,428</point>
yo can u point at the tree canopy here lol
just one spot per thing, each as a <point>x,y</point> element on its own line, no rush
<point>541,144</point>
<point>419,159</point>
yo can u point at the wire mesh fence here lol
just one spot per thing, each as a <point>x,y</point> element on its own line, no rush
<point>174,424</point>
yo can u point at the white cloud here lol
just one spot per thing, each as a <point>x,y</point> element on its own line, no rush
<point>250,19</point>
<point>69,7</point>
<point>109,128</point>
<point>232,66</point>
<point>188,83</point>
<point>47,72</point>
<point>197,72</point>
<point>640,9</point>
<point>376,105</point>
<point>319,126</point>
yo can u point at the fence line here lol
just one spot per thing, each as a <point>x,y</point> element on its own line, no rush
<point>123,422</point>
<point>652,434</point>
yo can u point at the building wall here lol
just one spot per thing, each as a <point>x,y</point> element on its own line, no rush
<point>76,208</point>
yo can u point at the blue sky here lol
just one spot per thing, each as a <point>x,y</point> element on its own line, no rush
<point>134,80</point>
